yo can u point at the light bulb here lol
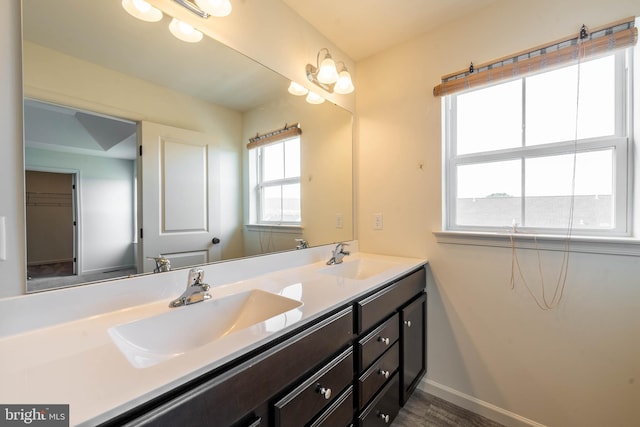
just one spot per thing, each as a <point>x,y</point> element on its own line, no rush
<point>142,10</point>
<point>184,31</point>
<point>215,7</point>
<point>314,98</point>
<point>344,84</point>
<point>297,89</point>
<point>327,73</point>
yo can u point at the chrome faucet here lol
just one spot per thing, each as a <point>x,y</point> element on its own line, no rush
<point>196,290</point>
<point>338,254</point>
<point>302,244</point>
<point>162,264</point>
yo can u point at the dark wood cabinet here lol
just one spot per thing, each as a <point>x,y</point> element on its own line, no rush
<point>354,366</point>
<point>314,394</point>
<point>384,408</point>
<point>413,350</point>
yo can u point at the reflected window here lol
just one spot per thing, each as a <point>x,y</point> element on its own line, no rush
<point>279,182</point>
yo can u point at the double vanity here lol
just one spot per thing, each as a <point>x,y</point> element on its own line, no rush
<point>280,340</point>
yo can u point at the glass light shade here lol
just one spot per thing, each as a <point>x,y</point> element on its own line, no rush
<point>142,10</point>
<point>327,73</point>
<point>344,84</point>
<point>215,7</point>
<point>314,98</point>
<point>297,89</point>
<point>184,31</point>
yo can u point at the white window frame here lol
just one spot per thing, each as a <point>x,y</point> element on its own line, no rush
<point>620,142</point>
<point>261,184</point>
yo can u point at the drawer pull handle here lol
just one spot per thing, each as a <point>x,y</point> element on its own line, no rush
<point>408,323</point>
<point>384,373</point>
<point>384,417</point>
<point>324,392</point>
<point>385,341</point>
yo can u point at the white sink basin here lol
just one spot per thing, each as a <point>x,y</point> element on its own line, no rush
<point>358,269</point>
<point>152,340</point>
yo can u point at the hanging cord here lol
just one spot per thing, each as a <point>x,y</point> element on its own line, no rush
<point>542,302</point>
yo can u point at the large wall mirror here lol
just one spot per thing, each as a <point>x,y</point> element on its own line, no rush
<point>98,86</point>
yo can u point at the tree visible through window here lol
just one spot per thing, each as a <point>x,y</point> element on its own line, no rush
<point>547,151</point>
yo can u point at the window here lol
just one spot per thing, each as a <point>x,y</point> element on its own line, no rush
<point>520,153</point>
<point>278,182</point>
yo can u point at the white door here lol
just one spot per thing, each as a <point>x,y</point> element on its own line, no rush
<point>180,218</point>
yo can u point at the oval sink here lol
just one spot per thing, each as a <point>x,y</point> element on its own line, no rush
<point>152,340</point>
<point>357,269</point>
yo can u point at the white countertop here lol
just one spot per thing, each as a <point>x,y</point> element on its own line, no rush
<point>75,361</point>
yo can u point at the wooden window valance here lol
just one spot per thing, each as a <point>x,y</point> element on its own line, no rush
<point>289,131</point>
<point>619,34</point>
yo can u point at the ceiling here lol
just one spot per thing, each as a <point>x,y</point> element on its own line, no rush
<point>361,28</point>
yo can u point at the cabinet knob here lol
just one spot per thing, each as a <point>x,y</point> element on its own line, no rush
<point>384,373</point>
<point>384,417</point>
<point>408,323</point>
<point>383,340</point>
<point>324,392</point>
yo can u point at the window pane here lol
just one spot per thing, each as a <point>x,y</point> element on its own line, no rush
<point>489,194</point>
<point>292,158</point>
<point>291,203</point>
<point>273,162</point>
<point>551,103</point>
<point>272,203</point>
<point>548,189</point>
<point>490,119</point>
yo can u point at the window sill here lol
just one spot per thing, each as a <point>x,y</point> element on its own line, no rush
<point>275,228</point>
<point>592,245</point>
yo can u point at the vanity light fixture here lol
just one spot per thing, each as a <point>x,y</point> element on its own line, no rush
<point>297,89</point>
<point>325,74</point>
<point>184,31</point>
<point>142,10</point>
<point>203,8</point>
<point>314,98</point>
<point>218,8</point>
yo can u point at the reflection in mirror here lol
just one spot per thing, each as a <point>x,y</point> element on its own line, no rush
<point>105,68</point>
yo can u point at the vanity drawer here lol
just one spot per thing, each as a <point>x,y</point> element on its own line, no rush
<point>378,374</point>
<point>229,397</point>
<point>384,408</point>
<point>339,414</point>
<point>380,305</point>
<point>377,342</point>
<point>310,397</point>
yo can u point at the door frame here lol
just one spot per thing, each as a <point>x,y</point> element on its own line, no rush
<point>75,212</point>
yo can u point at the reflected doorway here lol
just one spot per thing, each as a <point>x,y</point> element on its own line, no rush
<point>50,224</point>
<point>98,155</point>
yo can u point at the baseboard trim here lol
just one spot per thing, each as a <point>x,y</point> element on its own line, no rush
<point>476,405</point>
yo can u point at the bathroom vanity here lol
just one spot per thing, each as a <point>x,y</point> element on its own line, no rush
<point>339,345</point>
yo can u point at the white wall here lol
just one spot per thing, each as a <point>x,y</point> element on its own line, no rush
<point>577,365</point>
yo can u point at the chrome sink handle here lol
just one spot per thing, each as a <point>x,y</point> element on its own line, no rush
<point>196,291</point>
<point>338,254</point>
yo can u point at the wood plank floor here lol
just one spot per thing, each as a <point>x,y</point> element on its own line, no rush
<point>425,410</point>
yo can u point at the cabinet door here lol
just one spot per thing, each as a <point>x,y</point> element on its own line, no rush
<point>413,337</point>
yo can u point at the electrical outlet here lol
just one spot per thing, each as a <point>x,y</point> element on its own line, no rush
<point>377,221</point>
<point>338,220</point>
